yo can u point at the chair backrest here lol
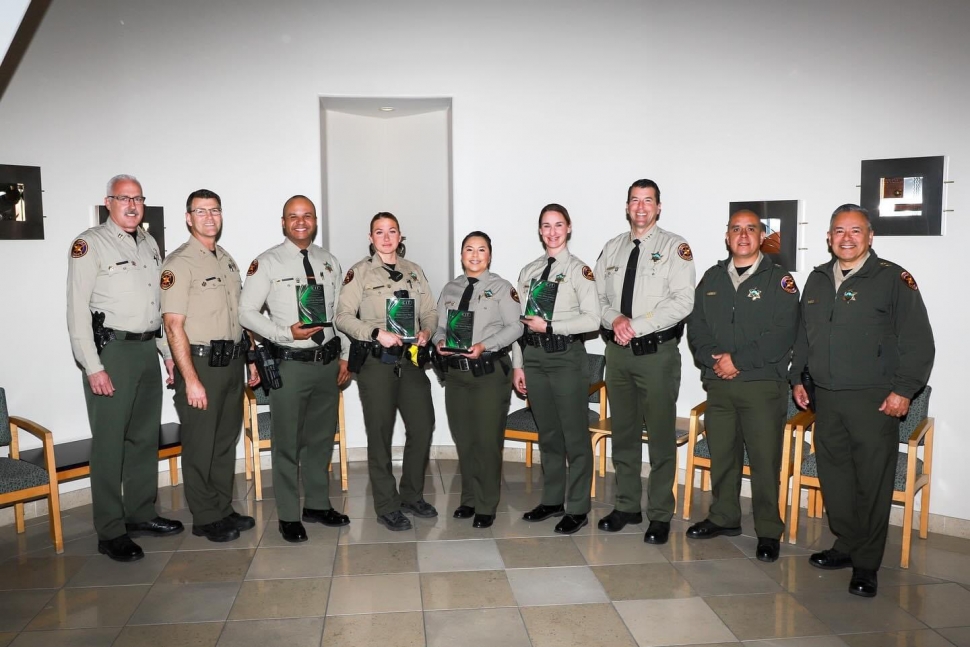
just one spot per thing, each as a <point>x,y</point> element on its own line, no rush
<point>597,368</point>
<point>4,420</point>
<point>918,410</point>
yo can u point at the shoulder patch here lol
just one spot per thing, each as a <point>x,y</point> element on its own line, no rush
<point>683,250</point>
<point>909,280</point>
<point>788,284</point>
<point>349,277</point>
<point>167,279</point>
<point>79,248</point>
<point>587,273</point>
<point>515,295</point>
<point>252,267</point>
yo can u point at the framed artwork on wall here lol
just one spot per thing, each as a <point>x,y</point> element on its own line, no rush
<point>21,204</point>
<point>153,223</point>
<point>780,220</point>
<point>904,196</point>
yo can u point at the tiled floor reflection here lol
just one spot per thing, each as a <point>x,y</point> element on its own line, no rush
<point>447,583</point>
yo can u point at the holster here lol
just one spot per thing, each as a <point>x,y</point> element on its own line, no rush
<point>101,334</point>
<point>359,350</point>
<point>809,385</point>
<point>268,366</point>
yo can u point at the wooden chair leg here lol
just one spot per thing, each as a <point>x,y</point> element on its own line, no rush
<point>688,489</point>
<point>907,528</point>
<point>819,504</point>
<point>173,470</point>
<point>924,512</point>
<point>602,443</point>
<point>257,472</point>
<point>592,484</point>
<point>18,515</point>
<point>54,516</point>
<point>528,453</point>
<point>796,501</point>
<point>706,480</point>
<point>342,449</point>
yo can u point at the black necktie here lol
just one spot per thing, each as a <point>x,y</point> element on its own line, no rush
<point>466,296</point>
<point>545,272</point>
<point>310,279</point>
<point>626,300</point>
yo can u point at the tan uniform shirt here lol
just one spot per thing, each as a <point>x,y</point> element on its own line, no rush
<point>362,305</point>
<point>497,322</point>
<point>108,272</point>
<point>204,287</point>
<point>577,308</point>
<point>663,294</point>
<point>738,279</point>
<point>839,278</point>
<point>272,280</point>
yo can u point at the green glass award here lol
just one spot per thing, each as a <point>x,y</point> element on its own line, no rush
<point>541,300</point>
<point>458,331</point>
<point>400,318</point>
<point>311,302</point>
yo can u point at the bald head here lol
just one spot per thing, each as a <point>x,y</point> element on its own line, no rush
<point>300,221</point>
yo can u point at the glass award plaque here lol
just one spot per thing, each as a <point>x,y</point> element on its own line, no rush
<point>541,300</point>
<point>458,331</point>
<point>311,303</point>
<point>400,318</point>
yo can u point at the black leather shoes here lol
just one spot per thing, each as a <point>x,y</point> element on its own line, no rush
<point>218,531</point>
<point>542,512</point>
<point>707,529</point>
<point>768,549</point>
<point>617,520</point>
<point>464,512</point>
<point>241,522</point>
<point>863,583</point>
<point>830,560</point>
<point>159,527</point>
<point>328,517</point>
<point>419,508</point>
<point>571,523</point>
<point>483,521</point>
<point>293,531</point>
<point>121,549</point>
<point>657,532</point>
<point>394,521</point>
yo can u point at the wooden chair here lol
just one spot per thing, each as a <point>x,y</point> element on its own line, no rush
<point>699,454</point>
<point>257,436</point>
<point>521,424</point>
<point>913,474</point>
<point>21,481</point>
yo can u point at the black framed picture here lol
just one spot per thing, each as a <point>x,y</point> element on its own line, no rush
<point>904,196</point>
<point>153,223</point>
<point>21,203</point>
<point>780,220</point>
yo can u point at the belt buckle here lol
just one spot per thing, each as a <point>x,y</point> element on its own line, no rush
<point>463,364</point>
<point>317,355</point>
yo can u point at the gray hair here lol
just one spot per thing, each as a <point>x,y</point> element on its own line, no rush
<point>121,178</point>
<point>846,208</point>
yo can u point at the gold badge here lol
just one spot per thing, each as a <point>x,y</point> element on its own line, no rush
<point>79,248</point>
<point>788,284</point>
<point>683,250</point>
<point>587,273</point>
<point>168,279</point>
<point>349,277</point>
<point>252,268</point>
<point>909,280</point>
<point>515,295</point>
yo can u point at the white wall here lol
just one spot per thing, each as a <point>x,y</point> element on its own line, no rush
<point>552,101</point>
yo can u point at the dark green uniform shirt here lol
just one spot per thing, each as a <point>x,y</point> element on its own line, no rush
<point>756,323</point>
<point>873,332</point>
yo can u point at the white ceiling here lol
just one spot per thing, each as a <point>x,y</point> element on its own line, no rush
<point>370,106</point>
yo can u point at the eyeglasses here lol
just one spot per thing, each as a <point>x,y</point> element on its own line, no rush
<point>200,212</point>
<point>137,199</point>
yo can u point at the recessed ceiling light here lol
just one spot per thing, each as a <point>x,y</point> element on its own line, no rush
<point>386,108</point>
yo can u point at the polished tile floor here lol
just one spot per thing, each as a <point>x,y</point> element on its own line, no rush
<point>445,583</point>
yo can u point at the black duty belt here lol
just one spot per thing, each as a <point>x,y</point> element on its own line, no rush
<point>465,364</point>
<point>647,344</point>
<point>322,355</point>
<point>550,343</point>
<point>204,350</point>
<point>122,335</point>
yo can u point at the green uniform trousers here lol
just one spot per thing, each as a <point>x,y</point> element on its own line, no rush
<point>477,410</point>
<point>856,447</point>
<point>558,386</point>
<point>746,415</point>
<point>209,438</point>
<point>382,395</point>
<point>124,437</point>
<point>304,422</point>
<point>643,391</point>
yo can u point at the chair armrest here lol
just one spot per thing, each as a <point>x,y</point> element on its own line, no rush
<point>699,409</point>
<point>596,386</point>
<point>694,427</point>
<point>924,427</point>
<point>42,433</point>
<point>804,418</point>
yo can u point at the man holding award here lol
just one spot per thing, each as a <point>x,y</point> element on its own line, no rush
<point>299,284</point>
<point>645,282</point>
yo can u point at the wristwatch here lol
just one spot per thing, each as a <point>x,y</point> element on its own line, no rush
<point>374,333</point>
<point>548,327</point>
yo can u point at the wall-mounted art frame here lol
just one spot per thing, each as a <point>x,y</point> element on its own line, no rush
<point>21,203</point>
<point>780,218</point>
<point>904,196</point>
<point>153,223</point>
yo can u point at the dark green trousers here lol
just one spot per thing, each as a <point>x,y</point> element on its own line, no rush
<point>477,409</point>
<point>209,438</point>
<point>558,386</point>
<point>643,390</point>
<point>304,422</point>
<point>856,446</point>
<point>382,395</point>
<point>748,415</point>
<point>124,437</point>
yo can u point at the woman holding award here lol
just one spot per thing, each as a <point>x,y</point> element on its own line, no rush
<point>478,322</point>
<point>387,309</point>
<point>559,306</point>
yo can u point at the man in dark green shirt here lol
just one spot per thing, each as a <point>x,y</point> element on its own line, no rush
<point>866,340</point>
<point>741,333</point>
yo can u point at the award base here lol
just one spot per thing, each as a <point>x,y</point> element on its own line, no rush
<point>452,349</point>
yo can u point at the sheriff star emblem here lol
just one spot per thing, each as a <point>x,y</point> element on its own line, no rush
<point>849,295</point>
<point>560,278</point>
<point>328,267</point>
<point>656,256</point>
<point>754,294</point>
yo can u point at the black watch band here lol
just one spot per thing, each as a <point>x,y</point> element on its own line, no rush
<point>374,333</point>
<point>548,327</point>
